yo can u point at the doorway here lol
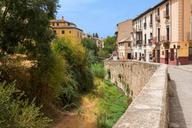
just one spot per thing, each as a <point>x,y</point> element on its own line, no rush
<point>166,56</point>
<point>158,56</point>
<point>190,54</point>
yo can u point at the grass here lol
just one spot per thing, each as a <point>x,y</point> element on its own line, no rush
<point>112,103</point>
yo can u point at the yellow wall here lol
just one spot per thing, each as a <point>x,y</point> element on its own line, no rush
<point>184,49</point>
<point>73,34</point>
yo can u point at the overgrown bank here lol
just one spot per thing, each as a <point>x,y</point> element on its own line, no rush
<point>51,75</point>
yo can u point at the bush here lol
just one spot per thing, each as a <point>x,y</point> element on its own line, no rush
<point>19,113</point>
<point>76,57</point>
<point>98,70</point>
<point>112,104</point>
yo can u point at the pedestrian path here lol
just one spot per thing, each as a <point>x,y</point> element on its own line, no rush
<point>181,96</point>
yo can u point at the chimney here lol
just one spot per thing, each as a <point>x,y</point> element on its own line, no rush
<point>62,17</point>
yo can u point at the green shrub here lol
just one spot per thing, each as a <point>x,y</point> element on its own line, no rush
<point>19,113</point>
<point>98,70</point>
<point>76,57</point>
<point>112,104</point>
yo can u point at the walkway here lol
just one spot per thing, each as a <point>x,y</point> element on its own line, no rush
<point>180,97</point>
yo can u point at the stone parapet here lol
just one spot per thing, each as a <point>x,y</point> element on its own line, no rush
<point>130,74</point>
<point>149,108</point>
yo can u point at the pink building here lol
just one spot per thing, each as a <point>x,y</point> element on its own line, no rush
<point>124,39</point>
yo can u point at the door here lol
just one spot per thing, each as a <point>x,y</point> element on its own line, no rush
<point>158,56</point>
<point>190,54</point>
<point>166,56</point>
<point>129,57</point>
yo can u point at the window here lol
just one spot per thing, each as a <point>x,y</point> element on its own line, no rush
<point>163,53</point>
<point>167,29</point>
<point>158,12</point>
<point>57,24</point>
<point>63,32</point>
<point>70,32</point>
<point>145,24</point>
<point>151,35</point>
<point>145,39</point>
<point>172,54</point>
<point>55,32</point>
<point>167,9</point>
<point>53,24</point>
<point>159,34</point>
<point>151,20</point>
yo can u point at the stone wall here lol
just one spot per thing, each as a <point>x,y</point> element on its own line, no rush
<point>130,73</point>
<point>149,108</point>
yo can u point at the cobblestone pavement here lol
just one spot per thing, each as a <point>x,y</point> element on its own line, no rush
<point>180,96</point>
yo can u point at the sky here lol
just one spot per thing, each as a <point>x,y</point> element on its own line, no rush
<point>101,16</point>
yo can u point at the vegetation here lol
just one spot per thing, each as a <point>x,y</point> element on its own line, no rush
<point>109,47</point>
<point>78,77</point>
<point>26,23</point>
<point>58,71</point>
<point>98,70</point>
<point>112,104</point>
<point>91,50</point>
<point>17,112</point>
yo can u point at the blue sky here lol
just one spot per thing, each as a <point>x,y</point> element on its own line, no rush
<point>101,16</point>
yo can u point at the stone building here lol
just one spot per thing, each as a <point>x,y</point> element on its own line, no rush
<point>163,33</point>
<point>68,30</point>
<point>124,39</point>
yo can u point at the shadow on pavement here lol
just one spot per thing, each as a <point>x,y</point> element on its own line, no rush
<point>176,116</point>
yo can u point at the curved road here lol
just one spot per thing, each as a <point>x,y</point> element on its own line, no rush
<point>180,106</point>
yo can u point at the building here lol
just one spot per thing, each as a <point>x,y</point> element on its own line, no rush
<point>163,33</point>
<point>68,30</point>
<point>124,39</point>
<point>99,41</point>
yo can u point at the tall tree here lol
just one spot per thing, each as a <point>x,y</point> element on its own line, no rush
<point>25,21</point>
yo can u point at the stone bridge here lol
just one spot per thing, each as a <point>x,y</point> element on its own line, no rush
<point>147,84</point>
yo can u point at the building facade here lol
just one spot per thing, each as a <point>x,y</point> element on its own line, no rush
<point>163,33</point>
<point>68,30</point>
<point>124,39</point>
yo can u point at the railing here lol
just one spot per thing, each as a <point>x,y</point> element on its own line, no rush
<point>150,42</point>
<point>166,14</point>
<point>145,25</point>
<point>157,18</point>
<point>151,24</point>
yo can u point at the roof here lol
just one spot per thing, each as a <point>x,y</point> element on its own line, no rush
<point>124,21</point>
<point>62,21</point>
<point>127,39</point>
<point>150,9</point>
<point>65,27</point>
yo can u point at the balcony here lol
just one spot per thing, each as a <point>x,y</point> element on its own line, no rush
<point>151,25</point>
<point>166,14</point>
<point>157,18</point>
<point>150,41</point>
<point>153,41</point>
<point>145,25</point>
<point>165,41</point>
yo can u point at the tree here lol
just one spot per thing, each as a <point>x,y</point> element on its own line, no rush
<point>25,22</point>
<point>96,35</point>
<point>110,44</point>
<point>17,112</point>
<point>109,47</point>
